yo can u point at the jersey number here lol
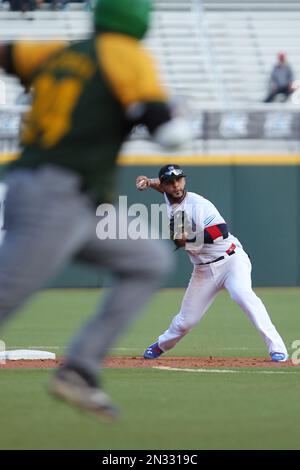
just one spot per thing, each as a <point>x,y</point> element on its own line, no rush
<point>50,117</point>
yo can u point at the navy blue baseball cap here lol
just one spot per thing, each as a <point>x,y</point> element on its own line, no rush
<point>169,172</point>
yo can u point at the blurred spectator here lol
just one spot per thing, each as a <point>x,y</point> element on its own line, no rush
<point>22,5</point>
<point>62,4</point>
<point>30,5</point>
<point>54,4</point>
<point>281,80</point>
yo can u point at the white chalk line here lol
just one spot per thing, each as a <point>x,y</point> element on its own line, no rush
<point>222,371</point>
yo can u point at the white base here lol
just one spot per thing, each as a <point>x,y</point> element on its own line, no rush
<point>25,354</point>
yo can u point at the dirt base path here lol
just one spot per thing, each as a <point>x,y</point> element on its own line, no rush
<point>133,362</point>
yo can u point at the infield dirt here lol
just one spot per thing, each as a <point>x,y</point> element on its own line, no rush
<point>122,362</point>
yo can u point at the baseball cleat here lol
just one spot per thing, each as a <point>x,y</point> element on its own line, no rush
<point>72,387</point>
<point>153,351</point>
<point>279,357</point>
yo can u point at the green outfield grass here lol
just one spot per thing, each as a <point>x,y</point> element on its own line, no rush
<point>249,409</point>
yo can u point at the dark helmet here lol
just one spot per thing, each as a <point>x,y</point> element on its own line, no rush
<point>130,17</point>
<point>169,172</point>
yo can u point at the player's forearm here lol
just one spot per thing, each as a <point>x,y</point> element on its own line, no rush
<point>5,57</point>
<point>2,55</point>
<point>154,183</point>
<point>166,129</point>
<point>143,182</point>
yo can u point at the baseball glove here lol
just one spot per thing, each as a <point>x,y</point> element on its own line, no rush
<point>181,229</point>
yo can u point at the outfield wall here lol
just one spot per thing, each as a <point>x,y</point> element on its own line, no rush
<point>260,204</point>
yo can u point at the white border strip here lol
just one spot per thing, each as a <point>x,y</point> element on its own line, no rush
<point>223,371</point>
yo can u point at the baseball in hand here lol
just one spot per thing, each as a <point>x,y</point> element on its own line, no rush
<point>142,184</point>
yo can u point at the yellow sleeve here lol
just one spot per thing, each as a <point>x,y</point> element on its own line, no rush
<point>27,56</point>
<point>129,69</point>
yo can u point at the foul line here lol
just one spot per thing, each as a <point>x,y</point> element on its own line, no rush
<point>222,371</point>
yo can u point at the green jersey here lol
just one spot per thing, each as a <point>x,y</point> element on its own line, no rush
<point>81,93</point>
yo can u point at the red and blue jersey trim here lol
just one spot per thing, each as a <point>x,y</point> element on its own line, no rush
<point>215,231</point>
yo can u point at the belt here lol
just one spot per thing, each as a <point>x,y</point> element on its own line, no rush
<point>218,259</point>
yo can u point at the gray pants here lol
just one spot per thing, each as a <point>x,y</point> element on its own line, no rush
<point>49,221</point>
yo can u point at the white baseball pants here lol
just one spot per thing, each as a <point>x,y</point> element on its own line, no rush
<point>234,274</point>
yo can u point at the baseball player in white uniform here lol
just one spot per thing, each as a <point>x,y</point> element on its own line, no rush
<point>219,262</point>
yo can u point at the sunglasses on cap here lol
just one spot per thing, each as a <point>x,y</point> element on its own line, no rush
<point>172,173</point>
